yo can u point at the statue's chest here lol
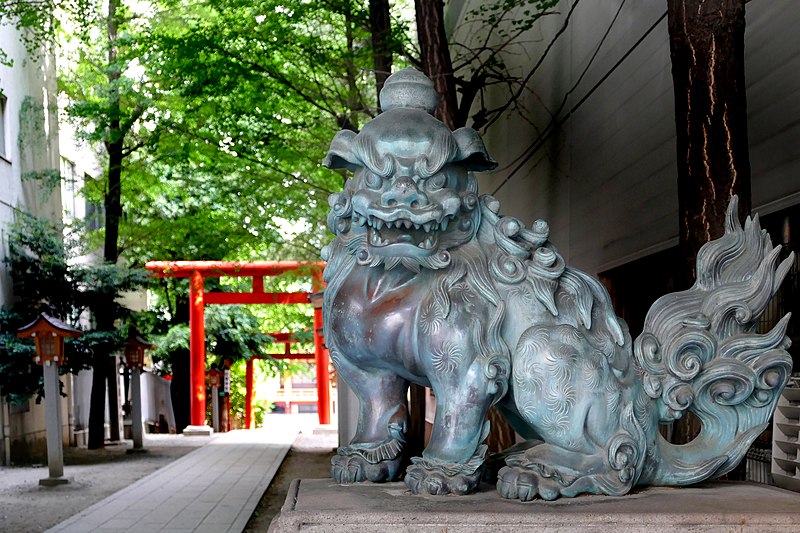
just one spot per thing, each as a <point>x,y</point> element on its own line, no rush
<point>374,316</point>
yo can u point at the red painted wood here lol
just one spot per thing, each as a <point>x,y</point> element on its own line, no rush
<point>197,351</point>
<point>184,269</point>
<point>323,376</point>
<point>257,298</point>
<point>248,397</point>
<point>309,356</point>
<point>258,284</point>
<point>281,337</point>
<point>321,359</point>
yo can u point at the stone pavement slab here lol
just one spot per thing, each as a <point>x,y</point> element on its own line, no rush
<point>214,488</point>
<point>321,505</point>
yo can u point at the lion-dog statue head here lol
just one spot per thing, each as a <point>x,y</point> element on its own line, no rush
<point>413,196</point>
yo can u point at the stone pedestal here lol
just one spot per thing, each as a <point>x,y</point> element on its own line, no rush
<point>198,431</point>
<point>321,505</point>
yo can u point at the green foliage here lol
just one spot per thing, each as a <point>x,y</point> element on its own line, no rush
<point>37,260</point>
<point>44,280</point>
<point>245,124</point>
<point>233,332</point>
<point>239,390</point>
<point>36,22</point>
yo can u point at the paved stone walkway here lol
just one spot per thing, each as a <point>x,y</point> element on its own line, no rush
<point>212,489</point>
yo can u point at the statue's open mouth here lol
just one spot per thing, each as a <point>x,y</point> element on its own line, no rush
<point>422,235</point>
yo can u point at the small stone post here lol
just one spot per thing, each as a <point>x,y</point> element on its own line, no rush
<point>215,379</point>
<point>55,449</point>
<point>137,430</point>
<point>134,358</point>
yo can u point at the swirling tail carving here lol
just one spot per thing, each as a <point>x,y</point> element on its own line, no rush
<point>700,352</point>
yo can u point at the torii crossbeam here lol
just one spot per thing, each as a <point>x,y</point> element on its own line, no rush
<point>197,271</point>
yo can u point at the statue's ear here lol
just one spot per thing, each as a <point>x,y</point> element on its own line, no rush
<point>340,154</point>
<point>471,150</point>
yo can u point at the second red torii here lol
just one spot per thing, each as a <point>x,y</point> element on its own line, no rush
<point>197,271</point>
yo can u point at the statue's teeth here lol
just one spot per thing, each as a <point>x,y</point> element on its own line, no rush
<point>427,226</point>
<point>407,224</point>
<point>443,225</point>
<point>416,226</point>
<point>379,223</point>
<point>375,238</point>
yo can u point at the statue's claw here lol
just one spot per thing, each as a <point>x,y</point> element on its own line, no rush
<point>514,482</point>
<point>423,480</point>
<point>355,468</point>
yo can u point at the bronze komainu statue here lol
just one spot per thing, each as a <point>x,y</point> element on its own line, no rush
<point>428,283</point>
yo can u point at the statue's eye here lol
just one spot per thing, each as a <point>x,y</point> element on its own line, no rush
<point>373,181</point>
<point>436,182</point>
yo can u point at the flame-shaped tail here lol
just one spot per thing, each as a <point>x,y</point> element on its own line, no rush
<point>700,351</point>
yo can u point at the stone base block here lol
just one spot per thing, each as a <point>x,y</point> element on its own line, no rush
<point>317,505</point>
<point>198,431</point>
<point>53,481</point>
<point>136,451</point>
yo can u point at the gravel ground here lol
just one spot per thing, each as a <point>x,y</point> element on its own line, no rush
<point>25,506</point>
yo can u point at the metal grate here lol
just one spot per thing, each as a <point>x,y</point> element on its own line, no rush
<point>758,466</point>
<point>781,226</point>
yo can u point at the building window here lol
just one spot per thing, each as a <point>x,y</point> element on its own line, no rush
<point>95,215</point>
<point>3,127</point>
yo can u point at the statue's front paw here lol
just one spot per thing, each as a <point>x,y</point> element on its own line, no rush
<point>515,482</point>
<point>423,480</point>
<point>355,468</point>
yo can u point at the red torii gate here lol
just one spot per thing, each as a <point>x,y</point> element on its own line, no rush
<point>287,339</point>
<point>197,271</point>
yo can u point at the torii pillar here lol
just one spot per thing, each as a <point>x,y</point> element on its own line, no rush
<point>197,357</point>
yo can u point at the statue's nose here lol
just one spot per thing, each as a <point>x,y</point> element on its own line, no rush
<point>404,192</point>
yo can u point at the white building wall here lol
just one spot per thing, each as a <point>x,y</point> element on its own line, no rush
<point>29,145</point>
<point>607,182</point>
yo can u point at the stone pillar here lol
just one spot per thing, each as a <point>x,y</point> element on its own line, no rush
<point>55,449</point>
<point>137,430</point>
<point>215,408</point>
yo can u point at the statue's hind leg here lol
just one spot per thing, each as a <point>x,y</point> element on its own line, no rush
<point>567,392</point>
<point>549,472</point>
<point>375,451</point>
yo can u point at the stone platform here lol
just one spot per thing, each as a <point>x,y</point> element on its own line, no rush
<point>318,505</point>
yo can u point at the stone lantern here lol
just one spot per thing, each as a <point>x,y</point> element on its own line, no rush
<point>49,334</point>
<point>134,359</point>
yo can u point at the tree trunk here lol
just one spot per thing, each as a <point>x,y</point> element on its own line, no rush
<point>707,50</point>
<point>381,30</point>
<point>103,362</point>
<point>180,388</point>
<point>97,404</point>
<point>435,56</point>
